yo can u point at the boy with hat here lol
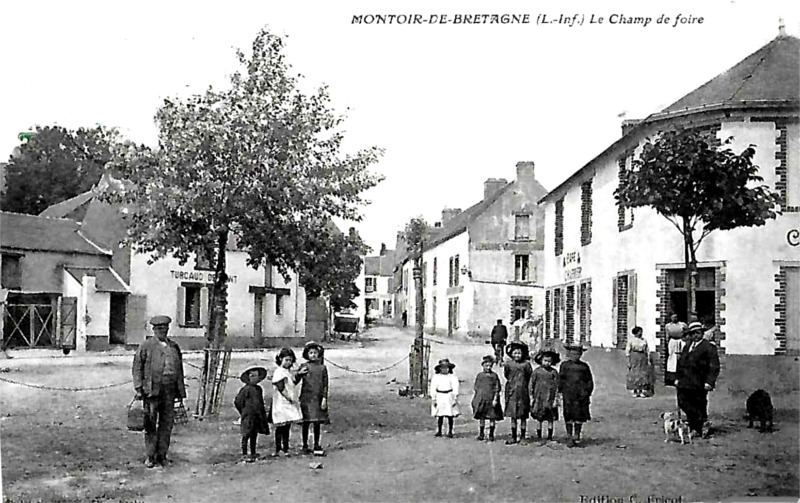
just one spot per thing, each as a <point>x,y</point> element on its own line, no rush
<point>576,384</point>
<point>444,396</point>
<point>158,380</point>
<point>250,404</point>
<point>314,395</point>
<point>697,372</point>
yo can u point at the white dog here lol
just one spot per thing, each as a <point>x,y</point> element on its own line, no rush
<point>674,425</point>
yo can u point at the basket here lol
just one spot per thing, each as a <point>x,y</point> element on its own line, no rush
<point>135,421</point>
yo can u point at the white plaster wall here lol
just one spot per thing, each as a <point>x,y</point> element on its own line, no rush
<point>749,253</point>
<point>160,281</point>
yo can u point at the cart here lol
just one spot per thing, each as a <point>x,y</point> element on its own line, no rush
<point>345,326</point>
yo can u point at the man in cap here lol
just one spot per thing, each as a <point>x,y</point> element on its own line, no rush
<point>696,375</point>
<point>158,380</point>
<point>499,336</point>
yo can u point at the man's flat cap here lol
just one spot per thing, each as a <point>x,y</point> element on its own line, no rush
<point>160,320</point>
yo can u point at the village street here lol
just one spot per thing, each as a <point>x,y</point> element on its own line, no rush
<point>73,446</point>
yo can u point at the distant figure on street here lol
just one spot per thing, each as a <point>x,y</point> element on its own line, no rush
<point>158,380</point>
<point>250,404</point>
<point>499,337</point>
<point>698,369</point>
<point>444,396</point>
<point>576,385</point>
<point>486,402</point>
<point>675,331</point>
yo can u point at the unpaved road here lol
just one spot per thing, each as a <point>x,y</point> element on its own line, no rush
<point>68,446</point>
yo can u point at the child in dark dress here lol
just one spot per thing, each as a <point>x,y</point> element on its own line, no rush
<point>544,388</point>
<point>518,377</point>
<point>576,386</point>
<point>486,402</point>
<point>314,395</point>
<point>250,404</point>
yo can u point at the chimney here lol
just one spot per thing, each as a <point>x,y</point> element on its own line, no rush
<point>449,213</point>
<point>492,185</point>
<point>629,124</point>
<point>383,249</point>
<point>524,170</point>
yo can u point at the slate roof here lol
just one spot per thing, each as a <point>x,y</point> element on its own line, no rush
<point>106,280</point>
<point>30,232</point>
<point>380,265</point>
<point>73,208</point>
<point>769,76</point>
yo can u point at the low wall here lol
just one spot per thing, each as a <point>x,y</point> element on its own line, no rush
<point>188,343</point>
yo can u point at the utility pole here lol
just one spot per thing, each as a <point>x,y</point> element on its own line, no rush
<point>419,339</point>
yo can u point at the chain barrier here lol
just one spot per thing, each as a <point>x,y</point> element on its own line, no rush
<point>377,371</point>
<point>58,388</point>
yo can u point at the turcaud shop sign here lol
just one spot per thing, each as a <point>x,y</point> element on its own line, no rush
<point>198,276</point>
<point>793,237</point>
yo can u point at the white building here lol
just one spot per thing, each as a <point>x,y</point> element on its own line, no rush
<point>376,285</point>
<point>608,268</point>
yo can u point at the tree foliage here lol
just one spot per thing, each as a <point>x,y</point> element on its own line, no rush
<point>698,187</point>
<point>55,164</point>
<point>330,263</point>
<point>417,232</point>
<point>259,161</point>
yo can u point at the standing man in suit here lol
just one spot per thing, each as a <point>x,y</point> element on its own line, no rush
<point>158,380</point>
<point>499,337</point>
<point>696,375</point>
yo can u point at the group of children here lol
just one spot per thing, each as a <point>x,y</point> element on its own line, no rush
<point>536,392</point>
<point>308,407</point>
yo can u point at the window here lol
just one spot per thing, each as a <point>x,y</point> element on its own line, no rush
<point>204,259</point>
<point>370,285</point>
<point>405,281</point>
<point>521,308</point>
<point>424,274</point>
<point>11,276</point>
<point>434,271</point>
<point>258,315</point>
<point>278,305</point>
<point>192,305</point>
<point>586,213</point>
<point>454,272</point>
<point>522,227</point>
<point>625,214</point>
<point>521,268</point>
<point>559,231</point>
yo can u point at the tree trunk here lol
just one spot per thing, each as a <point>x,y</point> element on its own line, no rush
<point>420,308</point>
<point>690,276</point>
<point>215,331</point>
<point>418,366</point>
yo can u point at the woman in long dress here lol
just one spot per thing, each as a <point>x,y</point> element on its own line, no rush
<point>638,380</point>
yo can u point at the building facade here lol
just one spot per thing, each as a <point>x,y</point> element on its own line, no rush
<point>376,284</point>
<point>484,263</point>
<point>610,268</point>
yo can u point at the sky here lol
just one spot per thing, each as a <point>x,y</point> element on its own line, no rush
<point>451,104</point>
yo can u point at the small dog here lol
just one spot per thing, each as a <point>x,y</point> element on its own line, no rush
<point>759,408</point>
<point>674,425</point>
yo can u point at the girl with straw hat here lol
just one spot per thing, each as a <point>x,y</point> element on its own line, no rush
<point>444,396</point>
<point>250,404</point>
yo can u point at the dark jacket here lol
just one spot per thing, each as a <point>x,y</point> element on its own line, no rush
<point>148,367</point>
<point>698,367</point>
<point>499,334</point>
<point>250,404</point>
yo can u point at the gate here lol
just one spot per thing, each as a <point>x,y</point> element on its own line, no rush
<point>68,324</point>
<point>31,325</point>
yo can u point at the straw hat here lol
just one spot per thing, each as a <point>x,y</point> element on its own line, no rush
<point>574,347</point>
<point>444,363</point>
<point>313,345</point>
<point>695,326</point>
<point>262,372</point>
<point>511,346</point>
<point>554,357</point>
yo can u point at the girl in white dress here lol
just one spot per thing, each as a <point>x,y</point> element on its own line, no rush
<point>285,402</point>
<point>444,396</point>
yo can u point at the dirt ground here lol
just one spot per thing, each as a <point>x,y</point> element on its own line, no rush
<point>73,446</point>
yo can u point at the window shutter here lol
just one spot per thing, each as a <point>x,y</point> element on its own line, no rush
<point>181,314</point>
<point>614,311</point>
<point>204,306</point>
<point>631,301</point>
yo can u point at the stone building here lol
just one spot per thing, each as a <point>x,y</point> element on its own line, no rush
<point>609,268</point>
<point>484,263</point>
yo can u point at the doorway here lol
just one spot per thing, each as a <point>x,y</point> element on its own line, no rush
<point>117,319</point>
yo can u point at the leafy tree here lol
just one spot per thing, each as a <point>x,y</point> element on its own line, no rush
<point>699,189</point>
<point>255,162</point>
<point>55,164</point>
<point>330,263</point>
